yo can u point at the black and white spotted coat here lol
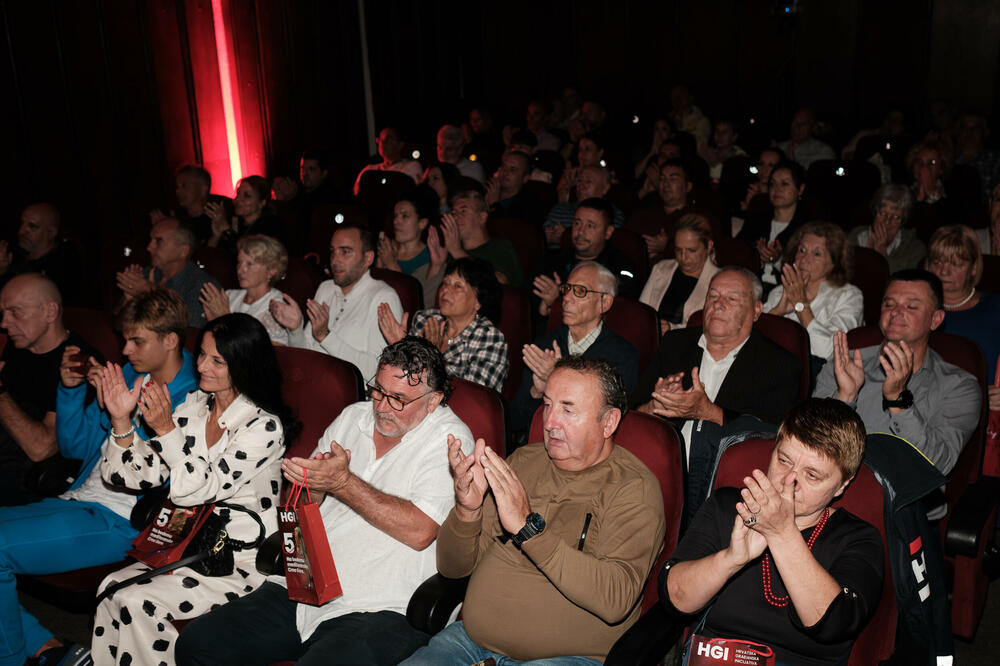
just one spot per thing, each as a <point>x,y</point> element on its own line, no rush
<point>243,467</point>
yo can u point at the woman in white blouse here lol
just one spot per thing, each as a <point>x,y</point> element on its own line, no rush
<point>677,287</point>
<point>224,443</point>
<point>814,290</point>
<point>260,262</point>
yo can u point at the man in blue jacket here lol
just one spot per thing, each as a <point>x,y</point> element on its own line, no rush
<point>89,524</point>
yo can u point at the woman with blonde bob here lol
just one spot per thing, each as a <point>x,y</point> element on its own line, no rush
<point>260,262</point>
<point>677,287</point>
<point>956,258</point>
<point>814,290</point>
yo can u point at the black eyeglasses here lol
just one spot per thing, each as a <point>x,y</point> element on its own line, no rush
<point>578,290</point>
<point>376,394</point>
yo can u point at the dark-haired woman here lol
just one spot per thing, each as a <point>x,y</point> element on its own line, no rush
<point>254,215</point>
<point>464,328</point>
<point>223,444</point>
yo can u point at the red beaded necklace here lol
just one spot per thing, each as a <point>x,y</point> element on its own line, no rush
<point>765,565</point>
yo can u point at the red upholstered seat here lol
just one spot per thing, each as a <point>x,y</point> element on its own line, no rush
<point>527,239</point>
<point>736,252</point>
<point>515,324</point>
<point>632,246</point>
<point>634,321</point>
<point>863,498</point>
<point>300,280</point>
<point>97,328</point>
<point>483,410</point>
<point>654,442</point>
<point>790,335</point>
<point>317,387</point>
<point>218,263</point>
<point>408,288</point>
<point>871,272</point>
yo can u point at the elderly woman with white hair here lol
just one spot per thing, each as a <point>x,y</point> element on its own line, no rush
<point>260,262</point>
<point>888,234</point>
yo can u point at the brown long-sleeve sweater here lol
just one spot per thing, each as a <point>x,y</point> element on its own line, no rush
<point>551,599</point>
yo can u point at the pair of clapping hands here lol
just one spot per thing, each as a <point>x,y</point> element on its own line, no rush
<point>483,470</point>
<point>113,394</point>
<point>766,512</point>
<point>896,359</point>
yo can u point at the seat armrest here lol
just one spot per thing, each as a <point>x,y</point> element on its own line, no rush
<point>432,603</point>
<point>648,640</point>
<point>969,517</point>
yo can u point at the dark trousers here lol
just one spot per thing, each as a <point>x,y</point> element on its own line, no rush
<point>260,629</point>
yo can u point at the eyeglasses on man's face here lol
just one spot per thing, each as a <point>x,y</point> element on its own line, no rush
<point>579,290</point>
<point>375,393</point>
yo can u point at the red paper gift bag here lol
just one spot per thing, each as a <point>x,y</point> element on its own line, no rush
<point>309,569</point>
<point>727,651</point>
<point>164,540</point>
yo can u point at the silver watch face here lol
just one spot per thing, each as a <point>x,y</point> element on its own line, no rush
<point>800,306</point>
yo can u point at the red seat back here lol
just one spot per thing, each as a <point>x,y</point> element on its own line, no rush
<point>634,321</point>
<point>736,252</point>
<point>97,328</point>
<point>408,288</point>
<point>527,239</point>
<point>864,499</point>
<point>218,263</point>
<point>632,246</point>
<point>483,410</point>
<point>300,280</point>
<point>515,324</point>
<point>871,272</point>
<point>654,442</point>
<point>784,332</point>
<point>317,387</point>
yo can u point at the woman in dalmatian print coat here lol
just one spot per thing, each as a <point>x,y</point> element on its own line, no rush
<point>224,443</point>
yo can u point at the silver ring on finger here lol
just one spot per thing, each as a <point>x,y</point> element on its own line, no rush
<point>750,522</point>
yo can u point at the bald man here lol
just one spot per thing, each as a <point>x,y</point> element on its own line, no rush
<point>41,250</point>
<point>29,378</point>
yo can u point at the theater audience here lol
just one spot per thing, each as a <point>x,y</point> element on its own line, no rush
<point>676,287</point>
<point>415,248</point>
<point>663,129</point>
<point>171,266</point>
<point>380,476</point>
<point>802,147</point>
<point>723,147</point>
<point>814,290</point>
<point>587,294</point>
<point>534,121</point>
<point>756,196</point>
<point>260,262</point>
<point>969,312</point>
<point>88,525</point>
<point>317,188</point>
<point>193,185</point>
<point>902,386</point>
<point>888,233</point>
<point>343,315</point>
<point>391,148</point>
<point>770,229</point>
<point>687,117</point>
<point>254,215</point>
<point>656,223</point>
<point>971,133</point>
<point>29,376</point>
<point>41,250</point>
<point>714,373</point>
<point>450,148</point>
<point>465,234</point>
<point>224,443</point>
<point>592,229</point>
<point>530,570</point>
<point>781,528</point>
<point>464,328</point>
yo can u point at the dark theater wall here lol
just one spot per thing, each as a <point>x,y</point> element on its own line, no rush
<point>102,99</point>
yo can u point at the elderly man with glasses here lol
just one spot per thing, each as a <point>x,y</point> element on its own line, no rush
<point>381,477</point>
<point>587,294</point>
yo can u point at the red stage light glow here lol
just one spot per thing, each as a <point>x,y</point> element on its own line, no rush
<point>230,108</point>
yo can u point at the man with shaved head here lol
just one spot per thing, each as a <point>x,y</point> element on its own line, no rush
<point>29,377</point>
<point>40,250</point>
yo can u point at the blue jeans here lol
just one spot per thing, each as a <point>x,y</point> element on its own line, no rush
<point>453,646</point>
<point>50,536</point>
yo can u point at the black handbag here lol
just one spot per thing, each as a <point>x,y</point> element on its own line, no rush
<point>209,553</point>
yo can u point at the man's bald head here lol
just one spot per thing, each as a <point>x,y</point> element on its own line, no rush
<point>32,313</point>
<point>39,229</point>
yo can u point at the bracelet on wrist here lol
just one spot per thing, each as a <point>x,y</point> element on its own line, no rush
<point>127,433</point>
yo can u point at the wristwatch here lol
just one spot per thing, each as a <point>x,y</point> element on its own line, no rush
<point>800,306</point>
<point>904,401</point>
<point>533,526</point>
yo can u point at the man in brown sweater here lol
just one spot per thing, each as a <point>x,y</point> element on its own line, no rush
<point>560,550</point>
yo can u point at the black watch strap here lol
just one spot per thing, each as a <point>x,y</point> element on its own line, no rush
<point>904,401</point>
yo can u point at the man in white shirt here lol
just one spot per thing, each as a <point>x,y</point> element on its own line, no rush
<point>390,149</point>
<point>802,146</point>
<point>450,144</point>
<point>381,476</point>
<point>343,316</point>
